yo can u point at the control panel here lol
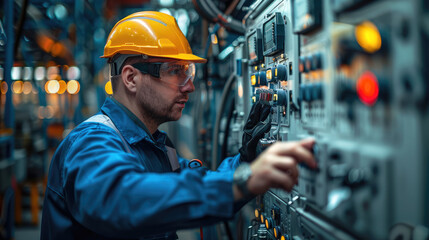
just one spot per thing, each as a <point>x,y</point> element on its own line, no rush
<point>347,73</point>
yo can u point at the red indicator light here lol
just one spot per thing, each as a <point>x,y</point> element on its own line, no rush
<point>367,88</point>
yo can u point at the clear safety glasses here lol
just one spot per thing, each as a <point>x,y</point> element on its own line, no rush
<point>177,73</point>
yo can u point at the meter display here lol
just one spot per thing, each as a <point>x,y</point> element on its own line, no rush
<point>274,34</point>
<point>254,45</point>
<point>307,15</point>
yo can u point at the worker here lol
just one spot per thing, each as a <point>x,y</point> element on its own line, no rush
<point>116,176</point>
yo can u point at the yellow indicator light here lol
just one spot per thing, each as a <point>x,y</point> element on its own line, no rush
<point>17,87</point>
<point>256,67</point>
<point>283,238</point>
<point>254,99</point>
<point>262,65</point>
<point>256,213</point>
<point>368,37</point>
<point>108,88</point>
<point>275,233</point>
<point>275,72</point>
<point>253,80</point>
<point>262,219</point>
<point>63,87</point>
<point>269,74</point>
<point>267,224</point>
<point>214,39</point>
<point>73,87</point>
<point>275,98</point>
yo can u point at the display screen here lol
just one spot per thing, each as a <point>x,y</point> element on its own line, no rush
<point>269,34</point>
<point>251,43</point>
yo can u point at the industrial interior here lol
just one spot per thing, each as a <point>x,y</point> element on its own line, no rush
<point>352,74</point>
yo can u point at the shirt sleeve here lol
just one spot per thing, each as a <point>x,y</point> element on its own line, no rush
<point>107,191</point>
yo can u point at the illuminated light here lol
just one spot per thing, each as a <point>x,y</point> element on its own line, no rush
<point>283,238</point>
<point>166,3</point>
<point>39,73</point>
<point>52,71</point>
<point>267,224</point>
<point>269,75</point>
<point>256,213</point>
<point>262,65</point>
<point>254,99</point>
<point>63,87</point>
<point>275,233</point>
<point>108,88</point>
<point>57,49</point>
<point>367,88</point>
<point>240,91</point>
<point>27,87</point>
<point>262,219</point>
<point>28,71</point>
<point>275,72</point>
<point>45,42</point>
<point>214,39</point>
<point>253,80</point>
<point>368,37</point>
<point>166,11</point>
<point>4,87</point>
<point>52,86</point>
<point>17,87</point>
<point>275,97</point>
<point>256,67</point>
<point>73,87</point>
<point>73,73</point>
<point>16,73</point>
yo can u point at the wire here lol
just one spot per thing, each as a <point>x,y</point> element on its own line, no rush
<point>225,92</point>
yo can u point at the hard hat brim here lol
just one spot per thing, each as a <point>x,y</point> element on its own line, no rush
<point>187,57</point>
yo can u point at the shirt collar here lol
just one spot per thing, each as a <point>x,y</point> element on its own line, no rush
<point>132,129</point>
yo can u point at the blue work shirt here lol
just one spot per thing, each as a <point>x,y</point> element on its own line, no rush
<point>98,190</point>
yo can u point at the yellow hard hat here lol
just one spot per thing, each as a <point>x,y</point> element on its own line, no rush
<point>150,33</point>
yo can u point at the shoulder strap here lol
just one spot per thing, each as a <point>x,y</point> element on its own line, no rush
<point>104,119</point>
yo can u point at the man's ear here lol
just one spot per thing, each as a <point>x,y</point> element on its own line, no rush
<point>128,78</point>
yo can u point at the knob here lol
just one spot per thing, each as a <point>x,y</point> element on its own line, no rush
<point>280,97</point>
<point>269,222</point>
<point>262,79</point>
<point>277,232</point>
<point>280,73</point>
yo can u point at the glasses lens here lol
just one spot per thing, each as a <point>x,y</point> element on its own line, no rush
<point>177,73</point>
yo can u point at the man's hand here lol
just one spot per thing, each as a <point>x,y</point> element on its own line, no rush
<point>256,126</point>
<point>276,167</point>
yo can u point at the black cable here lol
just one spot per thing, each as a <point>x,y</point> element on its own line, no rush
<point>22,18</point>
<point>231,105</point>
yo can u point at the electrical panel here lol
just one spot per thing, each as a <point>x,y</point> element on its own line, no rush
<point>350,75</point>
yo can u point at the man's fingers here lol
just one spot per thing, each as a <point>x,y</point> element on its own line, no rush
<point>308,143</point>
<point>286,165</point>
<point>295,150</point>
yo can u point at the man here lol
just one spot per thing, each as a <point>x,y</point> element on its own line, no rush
<point>117,177</point>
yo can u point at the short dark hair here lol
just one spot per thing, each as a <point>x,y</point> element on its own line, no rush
<point>131,60</point>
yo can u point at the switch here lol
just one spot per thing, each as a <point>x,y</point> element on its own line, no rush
<point>316,61</point>
<point>280,73</point>
<point>262,79</point>
<point>269,223</point>
<point>280,97</point>
<point>277,232</point>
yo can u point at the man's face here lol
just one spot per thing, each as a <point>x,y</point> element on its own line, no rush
<point>161,100</point>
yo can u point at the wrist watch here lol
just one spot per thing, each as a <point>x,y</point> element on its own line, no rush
<point>241,176</point>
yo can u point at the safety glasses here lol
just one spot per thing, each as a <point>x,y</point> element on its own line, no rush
<point>176,73</point>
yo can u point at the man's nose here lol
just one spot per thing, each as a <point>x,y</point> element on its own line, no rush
<point>188,87</point>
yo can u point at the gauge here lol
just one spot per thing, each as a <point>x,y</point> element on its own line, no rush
<point>274,34</point>
<point>254,45</point>
<point>307,15</point>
